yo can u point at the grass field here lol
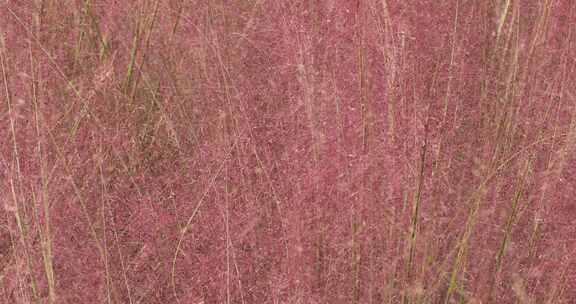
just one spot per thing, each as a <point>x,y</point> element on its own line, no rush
<point>253,151</point>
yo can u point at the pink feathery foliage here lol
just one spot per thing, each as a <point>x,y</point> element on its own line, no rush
<point>287,152</point>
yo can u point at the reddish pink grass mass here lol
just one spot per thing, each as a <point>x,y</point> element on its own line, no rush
<point>170,151</point>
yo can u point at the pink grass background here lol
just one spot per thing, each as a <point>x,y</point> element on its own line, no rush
<point>289,136</point>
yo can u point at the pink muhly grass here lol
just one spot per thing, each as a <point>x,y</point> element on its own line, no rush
<point>287,152</point>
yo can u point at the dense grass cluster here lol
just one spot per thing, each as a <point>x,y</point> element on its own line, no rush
<point>253,151</point>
